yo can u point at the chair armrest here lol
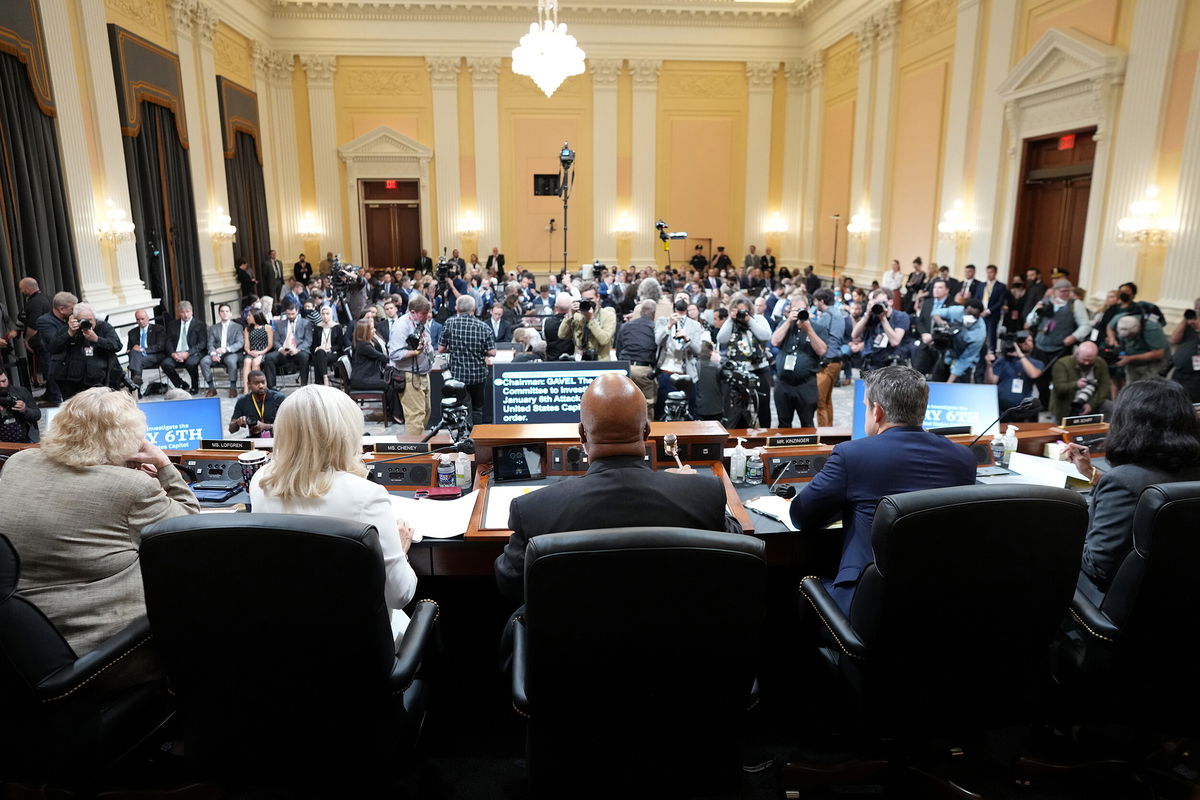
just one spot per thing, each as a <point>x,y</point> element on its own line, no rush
<point>1092,619</point>
<point>79,673</point>
<point>835,622</point>
<point>415,646</point>
<point>520,658</point>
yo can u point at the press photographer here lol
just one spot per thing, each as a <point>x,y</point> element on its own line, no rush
<point>1059,322</point>
<point>678,342</point>
<point>592,328</point>
<point>801,351</point>
<point>744,337</point>
<point>1013,372</point>
<point>1082,384</point>
<point>966,340</point>
<point>881,330</point>
<point>19,415</point>
<point>87,349</point>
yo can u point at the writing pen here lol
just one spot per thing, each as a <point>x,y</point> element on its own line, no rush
<point>766,514</point>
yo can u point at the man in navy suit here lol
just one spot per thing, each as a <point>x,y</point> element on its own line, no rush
<point>293,342</point>
<point>971,286</point>
<point>993,296</point>
<point>502,329</point>
<point>896,456</point>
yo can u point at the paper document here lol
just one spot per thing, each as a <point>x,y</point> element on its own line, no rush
<point>436,519</point>
<point>774,507</point>
<point>1038,472</point>
<point>499,498</point>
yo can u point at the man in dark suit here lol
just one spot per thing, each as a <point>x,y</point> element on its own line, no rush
<point>389,320</point>
<point>619,488</point>
<point>1035,290</point>
<point>925,355</point>
<point>558,346</point>
<point>954,283</point>
<point>302,270</point>
<point>896,456</point>
<point>270,276</point>
<point>187,339</point>
<point>993,297</point>
<point>293,342</point>
<point>495,262</point>
<point>502,329</point>
<point>425,263</point>
<point>146,344</point>
<point>971,286</point>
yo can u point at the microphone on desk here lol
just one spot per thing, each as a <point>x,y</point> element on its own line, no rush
<point>465,446</point>
<point>788,490</point>
<point>1030,403</point>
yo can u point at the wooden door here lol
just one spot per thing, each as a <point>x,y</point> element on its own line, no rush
<point>1052,205</point>
<point>391,224</point>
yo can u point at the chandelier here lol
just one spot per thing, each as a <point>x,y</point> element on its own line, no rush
<point>1144,226</point>
<point>859,226</point>
<point>955,226</point>
<point>223,229</point>
<point>548,54</point>
<point>115,228</point>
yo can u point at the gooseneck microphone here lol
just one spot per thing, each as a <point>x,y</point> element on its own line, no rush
<point>1030,403</point>
<point>787,491</point>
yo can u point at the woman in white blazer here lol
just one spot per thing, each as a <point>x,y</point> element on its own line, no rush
<point>317,469</point>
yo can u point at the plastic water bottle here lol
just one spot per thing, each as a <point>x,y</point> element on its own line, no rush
<point>754,470</point>
<point>462,471</point>
<point>445,472</point>
<point>998,448</point>
<point>737,462</point>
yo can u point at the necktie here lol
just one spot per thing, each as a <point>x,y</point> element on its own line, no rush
<point>181,345</point>
<point>144,337</point>
<point>224,334</point>
<point>289,341</point>
<point>987,292</point>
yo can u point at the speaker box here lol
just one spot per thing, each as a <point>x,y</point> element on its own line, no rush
<point>402,474</point>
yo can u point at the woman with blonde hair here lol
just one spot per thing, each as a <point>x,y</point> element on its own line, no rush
<point>77,506</point>
<point>317,469</point>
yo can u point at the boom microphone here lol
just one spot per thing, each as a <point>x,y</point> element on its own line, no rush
<point>1031,403</point>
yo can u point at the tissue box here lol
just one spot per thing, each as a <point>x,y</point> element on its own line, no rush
<point>1055,451</point>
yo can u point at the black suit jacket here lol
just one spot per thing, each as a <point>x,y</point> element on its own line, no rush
<point>156,338</point>
<point>197,337</point>
<point>425,264</point>
<point>925,318</point>
<point>28,419</point>
<point>496,261</point>
<point>506,329</point>
<point>615,493</point>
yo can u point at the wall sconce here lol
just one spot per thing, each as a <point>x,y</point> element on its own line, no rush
<point>624,228</point>
<point>308,228</point>
<point>954,225</point>
<point>859,226</point>
<point>222,227</point>
<point>775,224</point>
<point>469,226</point>
<point>1144,227</point>
<point>115,228</point>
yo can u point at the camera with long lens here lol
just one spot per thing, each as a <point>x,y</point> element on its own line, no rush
<point>802,315</point>
<point>587,305</point>
<point>741,318</point>
<point>942,335</point>
<point>7,401</point>
<point>1045,309</point>
<point>85,325</point>
<point>589,354</point>
<point>1189,314</point>
<point>663,233</point>
<point>413,342</point>
<point>1006,343</point>
<point>444,268</point>
<point>878,310</point>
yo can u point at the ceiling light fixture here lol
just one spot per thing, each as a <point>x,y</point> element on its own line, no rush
<point>548,54</point>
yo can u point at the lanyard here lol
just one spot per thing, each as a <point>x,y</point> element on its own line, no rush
<point>260,409</point>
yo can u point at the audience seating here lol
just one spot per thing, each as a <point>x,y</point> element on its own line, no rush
<point>70,720</point>
<point>277,644</point>
<point>366,399</point>
<point>950,630</point>
<point>635,660</point>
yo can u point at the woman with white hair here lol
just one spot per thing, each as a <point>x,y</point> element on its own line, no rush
<point>533,347</point>
<point>317,469</point>
<point>76,509</point>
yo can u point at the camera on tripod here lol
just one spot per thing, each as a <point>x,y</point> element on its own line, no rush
<point>445,268</point>
<point>665,235</point>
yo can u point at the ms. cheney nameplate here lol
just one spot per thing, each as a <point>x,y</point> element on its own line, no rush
<point>401,447</point>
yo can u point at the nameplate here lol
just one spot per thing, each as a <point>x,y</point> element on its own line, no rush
<point>796,440</point>
<point>401,447</point>
<point>1086,419</point>
<point>226,444</point>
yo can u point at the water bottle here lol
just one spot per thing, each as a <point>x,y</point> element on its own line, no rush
<point>445,472</point>
<point>998,448</point>
<point>754,470</point>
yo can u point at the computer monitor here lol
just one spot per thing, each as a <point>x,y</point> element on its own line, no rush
<point>951,405</point>
<point>174,424</point>
<point>544,391</point>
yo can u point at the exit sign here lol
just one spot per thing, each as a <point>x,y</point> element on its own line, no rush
<point>1066,142</point>
<point>392,184</point>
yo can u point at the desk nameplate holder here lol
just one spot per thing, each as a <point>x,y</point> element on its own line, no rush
<point>1085,419</point>
<point>238,445</point>
<point>401,448</point>
<point>794,440</point>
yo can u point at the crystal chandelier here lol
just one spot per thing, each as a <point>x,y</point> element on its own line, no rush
<point>955,226</point>
<point>548,54</point>
<point>1144,227</point>
<point>115,228</point>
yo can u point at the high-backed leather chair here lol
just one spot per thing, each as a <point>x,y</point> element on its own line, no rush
<point>277,644</point>
<point>1138,660</point>
<point>635,660</point>
<point>67,719</point>
<point>950,628</point>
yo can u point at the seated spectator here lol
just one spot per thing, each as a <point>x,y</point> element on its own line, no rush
<point>328,342</point>
<point>293,338</point>
<point>533,348</point>
<point>1082,384</point>
<point>85,496</point>
<point>369,369</point>
<point>255,411</point>
<point>317,469</point>
<point>19,414</point>
<point>1153,438</point>
<point>259,339</point>
<point>224,347</point>
<point>146,344</point>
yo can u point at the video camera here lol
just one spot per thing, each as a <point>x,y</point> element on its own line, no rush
<point>665,236</point>
<point>1006,343</point>
<point>445,268</point>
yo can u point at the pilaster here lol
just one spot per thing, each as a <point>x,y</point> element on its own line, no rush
<point>605,72</point>
<point>443,74</point>
<point>282,133</point>
<point>645,73</point>
<point>865,34</point>
<point>319,71</point>
<point>812,173</point>
<point>484,78</point>
<point>885,22</point>
<point>799,75</point>
<point>962,81</point>
<point>261,57</point>
<point>1181,278</point>
<point>760,77</point>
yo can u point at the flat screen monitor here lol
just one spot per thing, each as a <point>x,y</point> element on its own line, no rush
<point>951,405</point>
<point>175,424</point>
<point>544,391</point>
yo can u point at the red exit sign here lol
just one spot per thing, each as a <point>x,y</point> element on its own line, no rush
<point>1066,142</point>
<point>392,184</point>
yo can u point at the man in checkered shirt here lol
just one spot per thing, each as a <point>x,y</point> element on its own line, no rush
<point>469,340</point>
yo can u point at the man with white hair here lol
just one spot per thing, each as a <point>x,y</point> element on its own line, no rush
<point>469,341</point>
<point>558,346</point>
<point>1144,347</point>
<point>88,352</point>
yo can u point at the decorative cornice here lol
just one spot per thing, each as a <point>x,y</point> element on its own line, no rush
<point>645,72</point>
<point>761,75</point>
<point>260,57</point>
<point>182,14</point>
<point>605,72</point>
<point>484,71</point>
<point>319,69</point>
<point>801,72</point>
<point>443,70</point>
<point>205,20</point>
<point>887,20</point>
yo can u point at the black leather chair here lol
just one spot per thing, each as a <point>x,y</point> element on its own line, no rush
<point>277,644</point>
<point>950,630</point>
<point>1138,652</point>
<point>635,660</point>
<point>67,719</point>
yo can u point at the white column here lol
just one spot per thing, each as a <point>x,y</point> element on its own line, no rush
<point>1137,134</point>
<point>798,73</point>
<point>1181,277</point>
<point>862,134</point>
<point>484,74</point>
<point>443,73</point>
<point>760,77</point>
<point>219,283</point>
<point>645,123</point>
<point>962,81</point>
<point>261,55</point>
<point>881,131</point>
<point>991,155</point>
<point>283,139</point>
<point>604,169</point>
<point>812,174</point>
<point>323,116</point>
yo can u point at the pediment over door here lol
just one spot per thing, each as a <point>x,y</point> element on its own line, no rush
<point>384,144</point>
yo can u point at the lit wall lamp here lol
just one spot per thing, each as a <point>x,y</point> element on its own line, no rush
<point>308,229</point>
<point>859,226</point>
<point>624,229</point>
<point>1144,227</point>
<point>954,225</point>
<point>222,227</point>
<point>775,224</point>
<point>115,228</point>
<point>469,225</point>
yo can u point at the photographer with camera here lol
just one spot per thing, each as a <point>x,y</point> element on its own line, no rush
<point>1082,383</point>
<point>881,330</point>
<point>967,340</point>
<point>410,348</point>
<point>1186,341</point>
<point>1144,348</point>
<point>744,337</point>
<point>800,356</point>
<point>678,341</point>
<point>1059,322</point>
<point>18,413</point>
<point>591,327</point>
<point>87,349</point>
<point>1013,371</point>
